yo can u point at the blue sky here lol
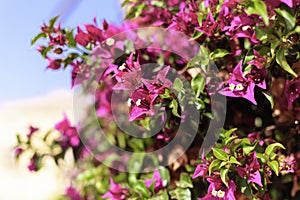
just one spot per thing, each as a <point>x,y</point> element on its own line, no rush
<point>22,68</point>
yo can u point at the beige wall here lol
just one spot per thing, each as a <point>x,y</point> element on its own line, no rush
<point>15,181</point>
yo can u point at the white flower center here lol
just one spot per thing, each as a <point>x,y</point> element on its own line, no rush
<point>110,41</point>
<point>138,102</point>
<point>214,192</point>
<point>231,86</point>
<point>239,87</point>
<point>221,194</point>
<point>244,28</point>
<point>122,67</point>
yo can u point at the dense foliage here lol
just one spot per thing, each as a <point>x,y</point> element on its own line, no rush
<point>159,125</point>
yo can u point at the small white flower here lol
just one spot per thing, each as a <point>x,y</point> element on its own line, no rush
<point>244,28</point>
<point>214,193</point>
<point>239,87</point>
<point>231,86</point>
<point>122,67</point>
<point>110,41</point>
<point>221,194</point>
<point>138,102</point>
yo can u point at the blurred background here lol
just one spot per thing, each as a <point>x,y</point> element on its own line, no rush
<point>32,95</point>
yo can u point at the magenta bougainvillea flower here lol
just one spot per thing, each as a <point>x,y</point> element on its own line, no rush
<point>103,100</point>
<point>208,26</point>
<point>292,91</point>
<point>241,86</point>
<point>54,63</point>
<point>32,164</point>
<point>142,104</point>
<point>72,193</point>
<point>287,165</point>
<point>69,137</point>
<point>59,39</point>
<point>128,75</point>
<point>258,60</point>
<point>18,151</point>
<point>255,137</point>
<point>224,18</point>
<point>116,192</point>
<point>217,190</point>
<point>93,35</point>
<point>258,76</point>
<point>32,130</point>
<point>80,73</point>
<point>157,181</point>
<point>186,20</point>
<point>241,26</point>
<point>201,169</point>
<point>291,3</point>
<point>159,83</point>
<point>251,171</point>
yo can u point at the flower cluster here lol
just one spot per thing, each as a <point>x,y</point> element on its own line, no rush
<point>254,45</point>
<point>240,166</point>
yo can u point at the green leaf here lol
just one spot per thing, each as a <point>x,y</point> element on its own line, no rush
<point>136,144</point>
<point>272,147</point>
<point>233,160</point>
<point>270,99</point>
<point>45,51</point>
<point>136,11</point>
<point>287,16</point>
<point>262,157</point>
<point>157,3</point>
<point>274,45</point>
<point>178,85</point>
<point>141,188</point>
<point>174,106</point>
<point>213,165</point>
<point>220,154</point>
<point>244,187</point>
<point>71,57</point>
<point>129,46</point>
<point>125,2</point>
<point>274,166</point>
<point>224,163</point>
<point>248,148</point>
<point>39,36</point>
<point>164,174</point>
<point>281,60</point>
<point>208,115</point>
<point>196,35</point>
<point>218,53</point>
<point>52,21</point>
<point>198,84</point>
<point>135,162</point>
<point>228,140</point>
<point>71,39</point>
<point>162,195</point>
<point>181,194</point>
<point>228,133</point>
<point>199,103</point>
<point>272,156</point>
<point>224,176</point>
<point>166,95</point>
<point>121,140</point>
<point>258,7</point>
<point>19,139</point>
<point>184,181</point>
<point>200,19</point>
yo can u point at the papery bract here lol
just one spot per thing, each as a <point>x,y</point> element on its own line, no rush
<point>116,192</point>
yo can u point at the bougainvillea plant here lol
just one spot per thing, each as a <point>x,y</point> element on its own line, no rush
<point>149,91</point>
